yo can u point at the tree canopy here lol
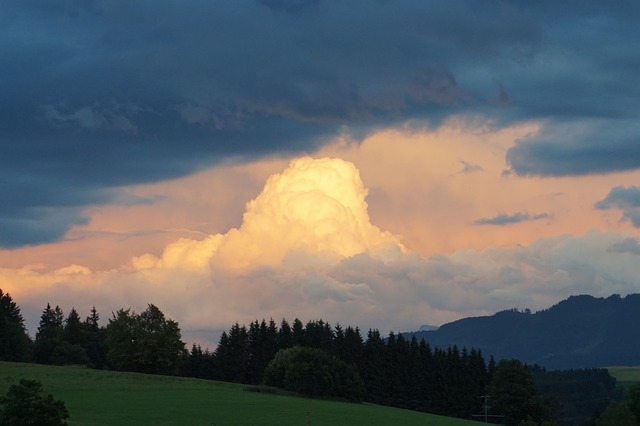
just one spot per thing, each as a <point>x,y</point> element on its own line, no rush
<point>26,405</point>
<point>513,392</point>
<point>313,372</point>
<point>146,343</point>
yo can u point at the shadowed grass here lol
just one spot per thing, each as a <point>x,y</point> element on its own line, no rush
<point>100,398</point>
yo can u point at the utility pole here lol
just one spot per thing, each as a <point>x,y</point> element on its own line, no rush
<point>485,409</point>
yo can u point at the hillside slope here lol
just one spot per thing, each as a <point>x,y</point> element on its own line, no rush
<point>579,332</point>
<point>110,398</point>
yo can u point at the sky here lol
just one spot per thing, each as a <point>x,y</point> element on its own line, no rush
<point>373,163</point>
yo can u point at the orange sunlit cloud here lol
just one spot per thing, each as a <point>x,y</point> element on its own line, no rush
<point>431,186</point>
<point>388,236</point>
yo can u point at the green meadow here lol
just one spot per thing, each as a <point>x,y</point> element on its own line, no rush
<point>100,398</point>
<point>625,376</point>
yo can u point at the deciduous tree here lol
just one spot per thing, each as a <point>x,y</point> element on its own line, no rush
<point>513,393</point>
<point>314,372</point>
<point>146,343</point>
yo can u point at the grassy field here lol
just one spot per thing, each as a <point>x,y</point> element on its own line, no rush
<point>99,398</point>
<point>625,375</point>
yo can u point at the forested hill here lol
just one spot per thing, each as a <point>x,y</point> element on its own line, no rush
<point>579,332</point>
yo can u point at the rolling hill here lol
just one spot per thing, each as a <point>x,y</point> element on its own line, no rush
<point>109,398</point>
<point>579,332</point>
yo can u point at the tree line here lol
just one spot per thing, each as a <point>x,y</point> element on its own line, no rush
<point>146,342</point>
<point>396,372</point>
<point>315,359</point>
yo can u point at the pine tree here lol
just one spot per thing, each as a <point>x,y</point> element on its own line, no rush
<point>285,335</point>
<point>71,349</point>
<point>232,355</point>
<point>352,352</point>
<point>14,340</point>
<point>49,335</point>
<point>297,332</point>
<point>95,340</point>
<point>72,333</point>
<point>372,368</point>
<point>426,376</point>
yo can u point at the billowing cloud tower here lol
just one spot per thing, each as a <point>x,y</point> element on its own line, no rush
<point>314,211</point>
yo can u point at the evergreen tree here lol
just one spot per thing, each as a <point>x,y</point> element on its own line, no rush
<point>262,348</point>
<point>337,346</point>
<point>426,376</point>
<point>49,334</point>
<point>14,340</point>
<point>232,355</point>
<point>318,334</point>
<point>94,340</point>
<point>285,335</point>
<point>353,346</point>
<point>297,333</point>
<point>373,364</point>
<point>70,350</point>
<point>395,372</point>
<point>272,333</point>
<point>198,363</point>
<point>50,325</point>
<point>72,333</point>
<point>439,386</point>
<point>192,365</point>
<point>92,320</point>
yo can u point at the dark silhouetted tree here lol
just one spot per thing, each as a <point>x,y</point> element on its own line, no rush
<point>94,340</point>
<point>146,343</point>
<point>632,398</point>
<point>513,393</point>
<point>49,335</point>
<point>297,333</point>
<point>313,372</point>
<point>26,405</point>
<point>15,343</point>
<point>353,346</point>
<point>373,365</point>
<point>70,350</point>
<point>232,355</point>
<point>263,341</point>
<point>285,335</point>
<point>617,413</point>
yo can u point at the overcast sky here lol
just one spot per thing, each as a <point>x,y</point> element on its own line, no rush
<point>379,163</point>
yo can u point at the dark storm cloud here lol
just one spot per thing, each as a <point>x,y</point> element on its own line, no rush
<point>586,93</point>
<point>625,199</point>
<point>97,95</point>
<point>578,148</point>
<point>509,219</point>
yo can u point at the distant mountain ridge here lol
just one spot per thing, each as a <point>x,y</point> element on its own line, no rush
<point>579,332</point>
